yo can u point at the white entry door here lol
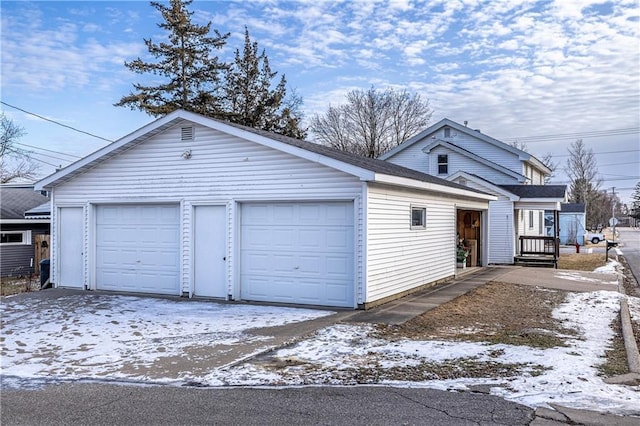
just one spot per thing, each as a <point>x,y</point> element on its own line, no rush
<point>300,253</point>
<point>209,233</point>
<point>69,273</point>
<point>138,248</point>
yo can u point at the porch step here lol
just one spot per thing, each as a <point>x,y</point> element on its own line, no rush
<point>540,261</point>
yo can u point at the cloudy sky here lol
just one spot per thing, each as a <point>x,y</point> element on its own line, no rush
<point>545,73</point>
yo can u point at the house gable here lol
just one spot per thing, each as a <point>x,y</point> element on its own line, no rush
<point>157,168</point>
<point>464,159</point>
<point>409,153</point>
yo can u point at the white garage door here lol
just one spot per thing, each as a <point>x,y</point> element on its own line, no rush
<point>299,253</point>
<point>137,248</point>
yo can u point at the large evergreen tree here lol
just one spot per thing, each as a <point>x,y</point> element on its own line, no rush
<point>252,97</point>
<point>192,76</point>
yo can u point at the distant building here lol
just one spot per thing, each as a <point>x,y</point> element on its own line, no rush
<point>24,229</point>
<point>572,223</point>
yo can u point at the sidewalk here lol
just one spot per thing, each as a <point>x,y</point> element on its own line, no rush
<point>402,310</point>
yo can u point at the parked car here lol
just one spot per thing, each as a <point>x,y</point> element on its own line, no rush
<point>594,237</point>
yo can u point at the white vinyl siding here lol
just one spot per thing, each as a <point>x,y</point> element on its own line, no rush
<point>223,169</point>
<point>414,158</point>
<point>530,222</point>
<point>400,258</point>
<point>535,176</point>
<point>501,235</point>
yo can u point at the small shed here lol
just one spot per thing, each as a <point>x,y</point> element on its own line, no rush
<point>572,223</point>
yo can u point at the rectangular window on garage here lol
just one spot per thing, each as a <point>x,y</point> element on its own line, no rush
<point>418,217</point>
<point>443,164</point>
<point>15,237</point>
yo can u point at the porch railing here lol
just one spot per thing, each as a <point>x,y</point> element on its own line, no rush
<point>538,249</point>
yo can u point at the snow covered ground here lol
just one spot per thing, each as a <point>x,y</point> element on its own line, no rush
<point>571,377</point>
<point>166,341</point>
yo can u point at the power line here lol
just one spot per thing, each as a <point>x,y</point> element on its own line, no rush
<point>48,150</point>
<point>619,164</point>
<point>33,158</point>
<point>578,135</point>
<point>603,152</point>
<point>32,153</point>
<point>55,122</point>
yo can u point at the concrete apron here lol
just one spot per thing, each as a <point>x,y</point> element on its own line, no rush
<point>561,279</point>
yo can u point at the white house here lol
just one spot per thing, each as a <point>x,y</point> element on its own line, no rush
<point>466,156</point>
<point>192,206</point>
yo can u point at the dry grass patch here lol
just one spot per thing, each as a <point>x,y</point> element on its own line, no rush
<point>13,285</point>
<point>494,313</point>
<point>616,356</point>
<point>581,261</point>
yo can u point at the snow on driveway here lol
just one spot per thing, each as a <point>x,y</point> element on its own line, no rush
<point>118,337</point>
<point>149,339</point>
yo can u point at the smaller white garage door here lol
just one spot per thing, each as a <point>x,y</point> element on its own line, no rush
<point>137,248</point>
<point>300,253</point>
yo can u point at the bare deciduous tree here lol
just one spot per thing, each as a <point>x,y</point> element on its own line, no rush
<point>584,186</point>
<point>547,160</point>
<point>372,122</point>
<point>15,163</point>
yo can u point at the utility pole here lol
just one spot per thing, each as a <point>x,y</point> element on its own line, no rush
<point>613,211</point>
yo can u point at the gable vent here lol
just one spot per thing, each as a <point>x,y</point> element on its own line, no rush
<point>187,133</point>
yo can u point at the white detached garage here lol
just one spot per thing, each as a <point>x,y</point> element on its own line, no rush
<point>196,207</point>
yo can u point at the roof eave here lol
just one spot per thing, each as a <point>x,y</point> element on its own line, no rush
<point>430,186</point>
<point>24,221</point>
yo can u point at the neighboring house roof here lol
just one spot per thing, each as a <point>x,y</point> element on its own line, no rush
<point>572,208</point>
<point>542,193</point>
<point>469,154</point>
<point>522,155</point>
<point>15,200</point>
<point>43,211</point>
<point>367,169</point>
<point>537,191</point>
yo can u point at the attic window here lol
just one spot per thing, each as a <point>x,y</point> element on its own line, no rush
<point>447,132</point>
<point>443,164</point>
<point>187,133</point>
<point>463,182</point>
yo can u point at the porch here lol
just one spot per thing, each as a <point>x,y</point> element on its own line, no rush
<point>538,251</point>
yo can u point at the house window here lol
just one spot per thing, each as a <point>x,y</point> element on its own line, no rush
<point>443,164</point>
<point>447,132</point>
<point>540,222</point>
<point>530,219</point>
<point>15,237</point>
<point>418,217</point>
